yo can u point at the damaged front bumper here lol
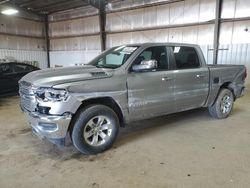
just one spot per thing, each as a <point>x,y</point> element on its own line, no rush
<point>53,128</point>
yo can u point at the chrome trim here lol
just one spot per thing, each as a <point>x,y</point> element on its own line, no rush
<point>62,123</point>
<point>28,99</point>
<point>98,130</point>
<point>226,104</point>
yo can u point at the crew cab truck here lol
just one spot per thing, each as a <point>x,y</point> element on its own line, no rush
<point>124,84</point>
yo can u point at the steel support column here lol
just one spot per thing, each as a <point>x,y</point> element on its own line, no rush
<point>100,5</point>
<point>217,30</point>
<point>46,21</point>
<point>102,24</point>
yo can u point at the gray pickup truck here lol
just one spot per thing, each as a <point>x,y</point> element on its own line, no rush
<point>124,84</point>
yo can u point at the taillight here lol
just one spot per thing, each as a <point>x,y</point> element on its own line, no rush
<point>244,75</point>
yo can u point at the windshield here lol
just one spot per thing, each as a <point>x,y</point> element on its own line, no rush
<point>114,57</point>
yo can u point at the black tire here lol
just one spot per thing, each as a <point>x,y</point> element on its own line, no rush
<point>216,109</point>
<point>89,115</point>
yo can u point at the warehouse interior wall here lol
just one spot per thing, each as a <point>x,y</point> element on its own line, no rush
<point>22,40</point>
<point>75,34</point>
<point>74,37</point>
<point>189,21</point>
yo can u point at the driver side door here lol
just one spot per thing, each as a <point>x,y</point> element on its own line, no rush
<point>151,92</point>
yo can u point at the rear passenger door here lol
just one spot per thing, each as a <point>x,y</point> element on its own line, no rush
<point>191,80</point>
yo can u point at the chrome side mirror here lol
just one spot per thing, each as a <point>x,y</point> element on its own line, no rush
<point>145,65</point>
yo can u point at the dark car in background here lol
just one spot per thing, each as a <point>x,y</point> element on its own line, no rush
<point>10,74</point>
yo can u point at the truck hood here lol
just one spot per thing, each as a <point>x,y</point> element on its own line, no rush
<point>55,76</point>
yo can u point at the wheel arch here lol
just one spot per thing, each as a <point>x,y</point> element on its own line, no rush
<point>107,101</point>
<point>227,85</point>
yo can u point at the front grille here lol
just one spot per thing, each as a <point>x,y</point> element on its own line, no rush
<point>28,101</point>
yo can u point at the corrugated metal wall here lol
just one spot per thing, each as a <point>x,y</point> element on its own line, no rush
<point>189,21</point>
<point>74,41</point>
<point>234,39</point>
<point>19,26</point>
<point>22,40</point>
<point>75,34</point>
<point>89,25</point>
<point>25,55</point>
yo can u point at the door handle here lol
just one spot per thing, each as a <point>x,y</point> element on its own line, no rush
<point>200,76</point>
<point>166,78</point>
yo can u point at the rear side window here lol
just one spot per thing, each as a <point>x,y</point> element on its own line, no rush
<point>185,57</point>
<point>22,68</point>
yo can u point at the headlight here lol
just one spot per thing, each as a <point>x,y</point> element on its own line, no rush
<point>49,94</point>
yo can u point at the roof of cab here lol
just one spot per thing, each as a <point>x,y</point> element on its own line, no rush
<point>160,43</point>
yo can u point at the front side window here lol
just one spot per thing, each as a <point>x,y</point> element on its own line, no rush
<point>6,69</point>
<point>185,57</point>
<point>114,58</point>
<point>157,53</point>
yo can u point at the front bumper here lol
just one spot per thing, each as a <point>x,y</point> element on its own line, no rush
<point>53,128</point>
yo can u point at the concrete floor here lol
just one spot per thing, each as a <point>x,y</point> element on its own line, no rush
<point>188,149</point>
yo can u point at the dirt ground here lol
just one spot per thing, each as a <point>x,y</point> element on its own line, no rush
<point>185,150</point>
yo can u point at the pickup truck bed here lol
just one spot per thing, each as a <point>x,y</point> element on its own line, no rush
<point>230,76</point>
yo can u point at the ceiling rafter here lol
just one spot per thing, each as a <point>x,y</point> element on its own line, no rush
<point>99,4</point>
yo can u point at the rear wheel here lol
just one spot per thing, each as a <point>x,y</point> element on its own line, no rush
<point>223,105</point>
<point>95,129</point>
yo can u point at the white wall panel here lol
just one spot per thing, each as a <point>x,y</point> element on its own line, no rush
<point>239,33</point>
<point>20,26</point>
<point>23,55</point>
<point>75,13</point>
<point>72,58</point>
<point>163,12</point>
<point>149,17</point>
<point>235,8</point>
<point>86,25</point>
<point>202,35</point>
<point>175,35</point>
<point>176,13</point>
<point>235,32</point>
<point>191,11</point>
<point>228,9</point>
<point>205,34</point>
<point>226,32</point>
<point>190,34</point>
<point>242,8</point>
<point>21,43</point>
<point>162,35</point>
<point>207,10</point>
<point>76,43</point>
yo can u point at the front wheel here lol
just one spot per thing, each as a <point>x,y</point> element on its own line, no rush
<point>95,129</point>
<point>223,105</point>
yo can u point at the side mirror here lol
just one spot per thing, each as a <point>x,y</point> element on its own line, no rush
<point>145,65</point>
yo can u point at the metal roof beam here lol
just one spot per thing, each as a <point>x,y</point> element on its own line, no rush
<point>99,4</point>
<point>217,30</point>
<point>62,4</point>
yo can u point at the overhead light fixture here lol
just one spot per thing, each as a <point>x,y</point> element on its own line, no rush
<point>9,11</point>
